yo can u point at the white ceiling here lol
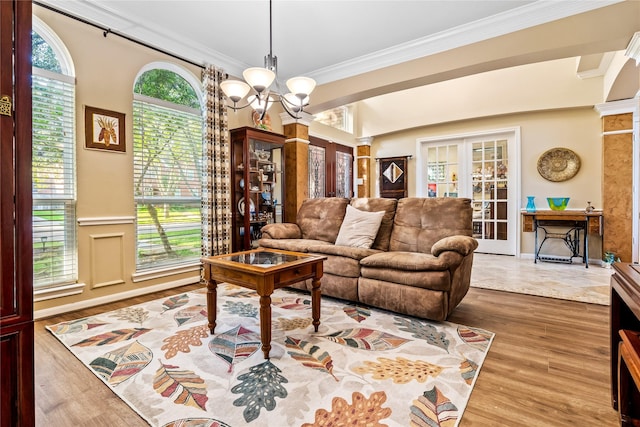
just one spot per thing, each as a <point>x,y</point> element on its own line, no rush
<point>327,40</point>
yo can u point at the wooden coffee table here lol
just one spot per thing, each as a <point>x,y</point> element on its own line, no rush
<point>262,270</point>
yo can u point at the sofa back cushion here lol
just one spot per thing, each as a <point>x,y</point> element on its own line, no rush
<point>381,241</point>
<point>320,219</point>
<point>421,222</point>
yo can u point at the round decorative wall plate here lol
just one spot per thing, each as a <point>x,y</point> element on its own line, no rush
<point>558,164</point>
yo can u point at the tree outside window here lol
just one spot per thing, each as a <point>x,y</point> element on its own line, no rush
<point>168,144</point>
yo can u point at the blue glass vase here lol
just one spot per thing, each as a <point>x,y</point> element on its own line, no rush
<point>531,205</point>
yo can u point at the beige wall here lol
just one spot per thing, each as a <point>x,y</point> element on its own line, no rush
<point>577,129</point>
<point>105,69</point>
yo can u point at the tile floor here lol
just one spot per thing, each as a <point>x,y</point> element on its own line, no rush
<point>556,280</point>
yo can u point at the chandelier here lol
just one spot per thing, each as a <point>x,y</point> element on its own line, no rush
<point>260,80</point>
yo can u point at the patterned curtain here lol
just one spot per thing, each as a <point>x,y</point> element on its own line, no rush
<point>216,191</point>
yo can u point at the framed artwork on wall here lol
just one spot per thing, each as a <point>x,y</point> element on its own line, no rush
<point>393,177</point>
<point>104,129</point>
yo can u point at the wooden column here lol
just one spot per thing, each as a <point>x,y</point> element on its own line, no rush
<point>296,163</point>
<point>363,158</point>
<point>617,185</point>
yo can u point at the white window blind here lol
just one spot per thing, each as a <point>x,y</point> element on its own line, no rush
<point>54,186</point>
<point>167,183</point>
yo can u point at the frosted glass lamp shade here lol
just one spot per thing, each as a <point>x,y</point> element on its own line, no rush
<point>301,86</point>
<point>259,104</point>
<point>259,78</point>
<point>296,104</point>
<point>235,89</point>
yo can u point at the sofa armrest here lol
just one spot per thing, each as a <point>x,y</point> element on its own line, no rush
<point>464,245</point>
<point>284,230</point>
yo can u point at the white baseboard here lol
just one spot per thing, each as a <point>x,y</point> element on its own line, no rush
<point>595,262</point>
<point>66,308</point>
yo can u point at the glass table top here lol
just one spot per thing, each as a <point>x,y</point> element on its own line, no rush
<point>263,258</point>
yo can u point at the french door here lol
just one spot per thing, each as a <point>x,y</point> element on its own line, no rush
<point>484,169</point>
<point>330,169</point>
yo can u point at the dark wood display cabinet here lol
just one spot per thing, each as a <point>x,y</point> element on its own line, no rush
<point>257,159</point>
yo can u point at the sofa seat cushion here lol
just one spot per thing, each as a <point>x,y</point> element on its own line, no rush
<point>295,245</point>
<point>343,251</point>
<point>340,266</point>
<point>412,261</point>
<point>342,260</point>
<point>433,280</point>
<point>281,230</point>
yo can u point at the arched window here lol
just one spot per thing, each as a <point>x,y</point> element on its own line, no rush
<point>53,164</point>
<point>167,168</point>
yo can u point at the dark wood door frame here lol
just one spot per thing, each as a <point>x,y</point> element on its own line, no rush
<point>331,148</point>
<point>16,273</point>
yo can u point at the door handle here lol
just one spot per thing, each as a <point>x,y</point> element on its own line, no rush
<point>5,105</point>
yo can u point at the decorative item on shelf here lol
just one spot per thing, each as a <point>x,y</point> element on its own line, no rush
<point>252,206</point>
<point>609,258</point>
<point>589,208</point>
<point>260,79</point>
<point>558,203</point>
<point>261,123</point>
<point>531,204</point>
<point>502,170</point>
<point>242,183</point>
<point>558,164</point>
<point>263,155</point>
<point>240,167</point>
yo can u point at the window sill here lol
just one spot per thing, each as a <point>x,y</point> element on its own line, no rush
<point>58,292</point>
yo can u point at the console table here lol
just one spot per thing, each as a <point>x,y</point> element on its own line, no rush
<point>576,221</point>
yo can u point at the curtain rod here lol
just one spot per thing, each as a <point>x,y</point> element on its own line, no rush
<point>107,31</point>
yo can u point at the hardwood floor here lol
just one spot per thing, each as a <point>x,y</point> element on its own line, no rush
<point>548,366</point>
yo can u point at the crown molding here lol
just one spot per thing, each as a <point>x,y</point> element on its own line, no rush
<point>633,49</point>
<point>618,107</point>
<point>517,19</point>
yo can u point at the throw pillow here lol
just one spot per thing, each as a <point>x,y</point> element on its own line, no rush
<point>359,228</point>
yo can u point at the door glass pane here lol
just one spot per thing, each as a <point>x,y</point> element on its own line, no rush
<point>489,183</point>
<point>317,167</point>
<point>442,171</point>
<point>344,174</point>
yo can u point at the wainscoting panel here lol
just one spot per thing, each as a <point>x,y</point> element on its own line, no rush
<point>107,259</point>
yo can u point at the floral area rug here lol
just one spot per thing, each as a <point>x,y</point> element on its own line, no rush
<point>363,367</point>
